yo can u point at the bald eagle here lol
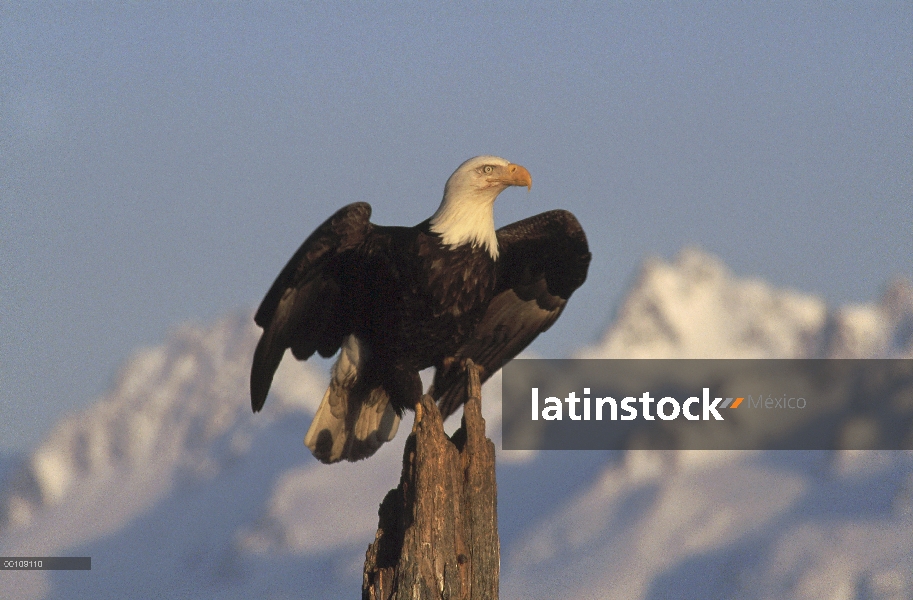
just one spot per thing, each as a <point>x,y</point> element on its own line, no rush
<point>397,300</point>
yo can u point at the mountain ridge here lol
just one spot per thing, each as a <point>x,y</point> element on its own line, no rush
<point>170,472</point>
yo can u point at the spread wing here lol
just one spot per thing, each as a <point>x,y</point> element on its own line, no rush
<point>542,260</point>
<point>307,309</point>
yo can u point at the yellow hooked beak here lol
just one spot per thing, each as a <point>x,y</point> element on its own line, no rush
<point>516,175</point>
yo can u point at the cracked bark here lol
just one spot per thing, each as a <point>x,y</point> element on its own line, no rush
<point>437,535</point>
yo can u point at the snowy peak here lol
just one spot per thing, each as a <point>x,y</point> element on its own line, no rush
<point>694,307</point>
<point>177,409</point>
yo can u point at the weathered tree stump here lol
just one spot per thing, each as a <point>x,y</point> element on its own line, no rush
<point>437,537</point>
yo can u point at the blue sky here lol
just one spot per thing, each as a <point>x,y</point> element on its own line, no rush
<point>160,162</point>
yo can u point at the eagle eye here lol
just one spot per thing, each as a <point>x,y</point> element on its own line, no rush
<point>488,169</point>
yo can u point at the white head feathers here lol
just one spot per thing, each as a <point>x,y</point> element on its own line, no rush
<point>466,214</point>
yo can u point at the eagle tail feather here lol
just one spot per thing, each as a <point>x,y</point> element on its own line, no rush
<point>352,421</point>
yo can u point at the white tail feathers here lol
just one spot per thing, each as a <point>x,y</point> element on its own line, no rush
<point>351,423</point>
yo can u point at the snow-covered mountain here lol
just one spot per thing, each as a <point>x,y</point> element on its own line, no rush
<point>175,489</point>
<point>696,308</point>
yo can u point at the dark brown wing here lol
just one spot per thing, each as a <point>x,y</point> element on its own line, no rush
<point>307,308</point>
<point>542,260</point>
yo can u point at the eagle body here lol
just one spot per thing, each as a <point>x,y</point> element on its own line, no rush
<point>408,299</point>
<point>437,296</point>
<point>396,300</point>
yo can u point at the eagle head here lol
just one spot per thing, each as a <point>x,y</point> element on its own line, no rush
<point>466,214</point>
<point>484,177</point>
